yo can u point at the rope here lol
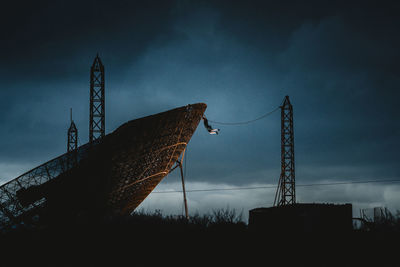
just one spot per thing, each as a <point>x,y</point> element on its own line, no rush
<point>245,122</point>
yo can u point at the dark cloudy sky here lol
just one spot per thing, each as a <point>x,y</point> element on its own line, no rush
<point>338,62</point>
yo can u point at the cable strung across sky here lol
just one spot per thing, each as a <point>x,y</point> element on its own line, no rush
<point>272,187</point>
<point>245,122</point>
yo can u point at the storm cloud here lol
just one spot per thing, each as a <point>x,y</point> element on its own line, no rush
<point>338,62</point>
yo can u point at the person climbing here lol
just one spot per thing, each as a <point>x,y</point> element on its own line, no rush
<point>208,126</point>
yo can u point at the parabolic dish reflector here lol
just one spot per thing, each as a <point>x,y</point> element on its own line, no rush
<point>112,176</point>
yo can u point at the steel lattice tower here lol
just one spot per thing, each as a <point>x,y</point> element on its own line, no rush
<point>72,143</point>
<point>97,101</point>
<point>286,191</point>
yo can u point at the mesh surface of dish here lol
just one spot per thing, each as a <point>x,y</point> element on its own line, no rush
<point>118,172</point>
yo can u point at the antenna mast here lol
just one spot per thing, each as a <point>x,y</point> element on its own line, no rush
<point>286,191</point>
<point>97,101</point>
<point>72,143</point>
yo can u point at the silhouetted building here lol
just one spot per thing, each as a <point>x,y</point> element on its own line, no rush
<point>305,217</point>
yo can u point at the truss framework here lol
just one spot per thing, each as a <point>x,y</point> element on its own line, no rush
<point>286,192</point>
<point>97,101</point>
<point>72,143</point>
<point>12,210</point>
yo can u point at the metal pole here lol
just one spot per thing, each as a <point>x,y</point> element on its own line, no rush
<point>184,191</point>
<point>183,185</point>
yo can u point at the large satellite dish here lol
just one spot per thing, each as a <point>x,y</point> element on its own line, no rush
<point>109,177</point>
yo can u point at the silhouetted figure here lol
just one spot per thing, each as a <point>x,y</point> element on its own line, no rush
<point>208,127</point>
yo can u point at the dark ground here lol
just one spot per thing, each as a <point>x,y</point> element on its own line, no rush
<point>220,239</point>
